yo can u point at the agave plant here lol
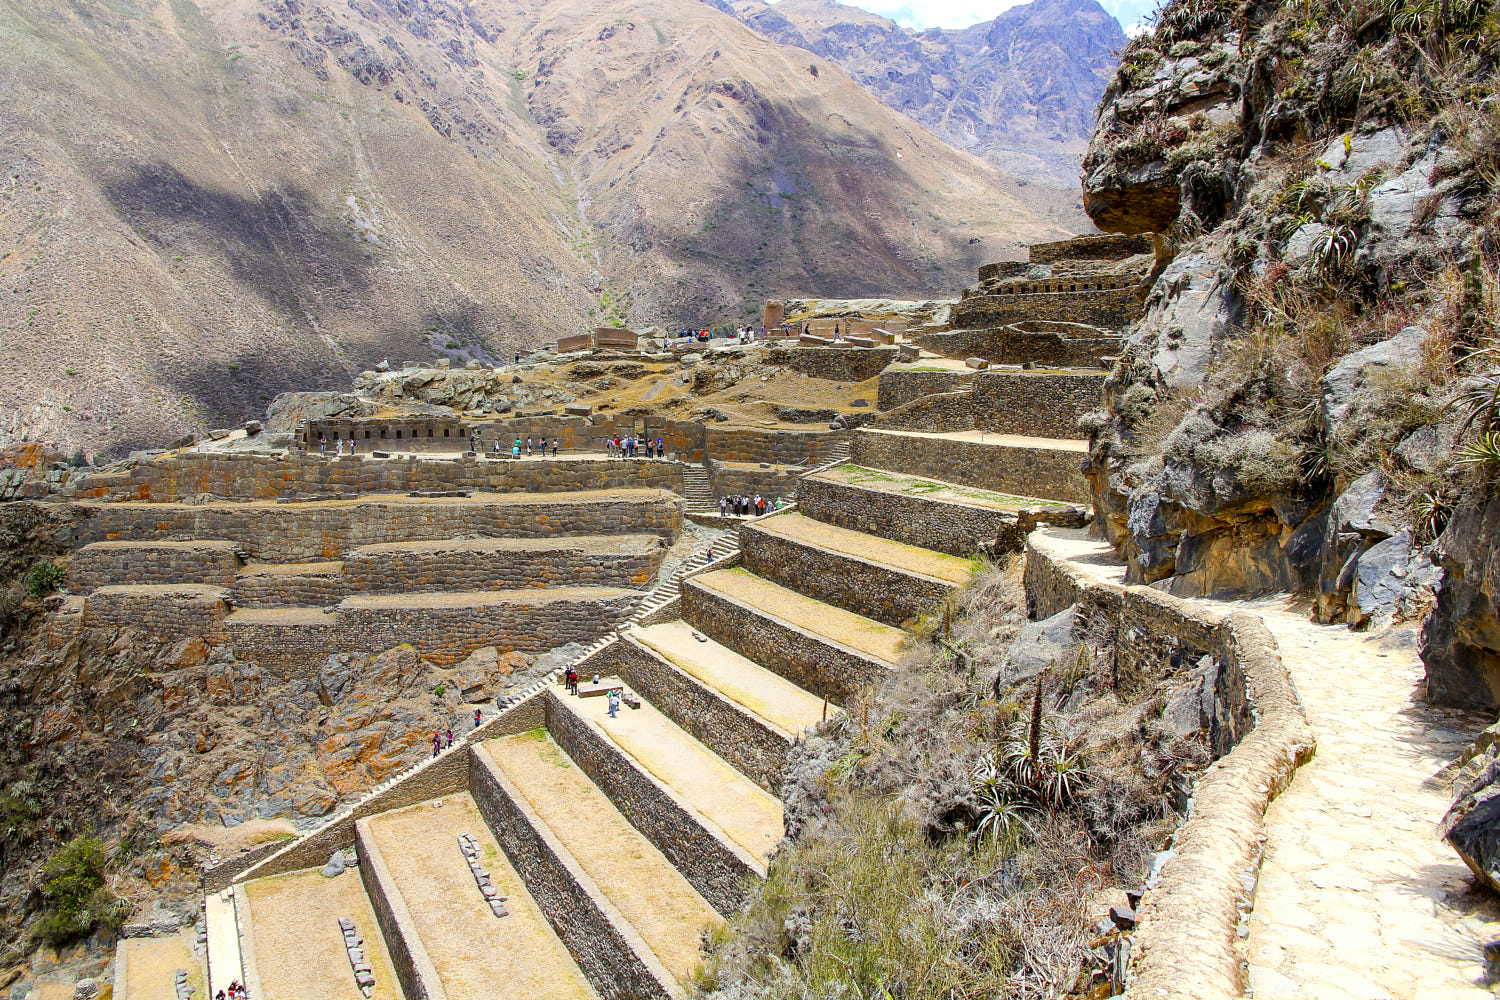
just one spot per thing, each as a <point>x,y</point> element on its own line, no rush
<point>1001,811</point>
<point>1483,450</point>
<point>1039,760</point>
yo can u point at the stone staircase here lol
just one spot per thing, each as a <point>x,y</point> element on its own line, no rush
<point>698,491</point>
<point>620,839</point>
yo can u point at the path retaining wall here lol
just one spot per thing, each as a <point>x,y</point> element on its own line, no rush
<point>1053,474</point>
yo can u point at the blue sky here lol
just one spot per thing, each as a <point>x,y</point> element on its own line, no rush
<point>962,13</point>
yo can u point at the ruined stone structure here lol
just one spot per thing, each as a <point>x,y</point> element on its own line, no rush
<point>798,612</point>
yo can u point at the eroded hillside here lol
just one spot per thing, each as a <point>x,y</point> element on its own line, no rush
<point>207,203</point>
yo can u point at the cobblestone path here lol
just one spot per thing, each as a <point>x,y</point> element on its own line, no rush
<point>1358,897</point>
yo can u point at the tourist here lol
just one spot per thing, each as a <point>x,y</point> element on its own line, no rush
<point>528,447</point>
<point>570,681</point>
<point>437,744</point>
<point>515,449</point>
<point>476,718</point>
<point>544,447</point>
<point>723,506</point>
<point>661,448</point>
<point>338,444</point>
<point>496,449</point>
<point>450,737</point>
<point>322,443</point>
<point>351,443</point>
<point>614,701</point>
<point>554,447</point>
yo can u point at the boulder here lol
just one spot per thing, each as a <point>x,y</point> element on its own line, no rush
<point>1380,577</point>
<point>1207,702</point>
<point>335,865</point>
<point>1472,824</point>
<point>253,428</point>
<point>1460,640</point>
<point>1354,370</point>
<point>1037,647</point>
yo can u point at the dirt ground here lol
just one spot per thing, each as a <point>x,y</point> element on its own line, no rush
<point>478,956</point>
<point>298,947</point>
<point>151,966</point>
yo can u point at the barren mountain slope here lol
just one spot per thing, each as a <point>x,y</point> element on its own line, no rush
<point>1020,90</point>
<point>206,203</point>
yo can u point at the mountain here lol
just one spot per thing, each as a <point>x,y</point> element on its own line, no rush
<point>1020,91</point>
<point>206,202</point>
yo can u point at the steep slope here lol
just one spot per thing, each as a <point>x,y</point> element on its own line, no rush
<point>1310,399</point>
<point>207,203</point>
<point>1020,91</point>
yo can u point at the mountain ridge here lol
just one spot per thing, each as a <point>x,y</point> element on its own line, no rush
<point>207,203</point>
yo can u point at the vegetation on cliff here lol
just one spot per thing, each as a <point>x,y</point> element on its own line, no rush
<point>956,831</point>
<point>1311,391</point>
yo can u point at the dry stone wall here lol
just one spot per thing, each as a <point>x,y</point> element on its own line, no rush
<point>1109,246</point>
<point>808,661</point>
<point>172,611</point>
<point>957,529</point>
<point>152,563</point>
<point>1019,347</point>
<point>866,588</point>
<point>779,447</point>
<point>303,585</point>
<point>503,564</point>
<point>266,477</point>
<point>836,364</point>
<point>315,532</point>
<point>1050,473</point>
<point>444,628</point>
<point>1110,307</point>
<point>899,386</point>
<point>683,438</point>
<point>719,871</point>
<point>1039,404</point>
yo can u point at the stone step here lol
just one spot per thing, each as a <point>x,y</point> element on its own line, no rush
<point>930,513</point>
<point>888,581</point>
<point>630,918</point>
<point>714,824</point>
<point>211,562</point>
<point>739,709</point>
<point>825,650</point>
<point>294,946</point>
<point>434,913</point>
<point>1005,463</point>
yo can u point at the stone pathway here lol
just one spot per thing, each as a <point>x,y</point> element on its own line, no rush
<point>1358,899</point>
<point>151,966</point>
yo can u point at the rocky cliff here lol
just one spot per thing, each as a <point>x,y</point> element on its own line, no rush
<point>1306,400</point>
<point>206,203</point>
<point>1020,91</point>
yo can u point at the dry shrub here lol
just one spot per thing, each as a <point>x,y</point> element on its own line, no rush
<point>907,875</point>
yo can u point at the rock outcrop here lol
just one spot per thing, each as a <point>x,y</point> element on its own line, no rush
<point>1282,414</point>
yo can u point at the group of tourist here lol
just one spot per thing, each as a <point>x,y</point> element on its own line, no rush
<point>570,684</point>
<point>748,506</point>
<point>744,334</point>
<point>630,447</point>
<point>235,992</point>
<point>534,448</point>
<point>338,445</point>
